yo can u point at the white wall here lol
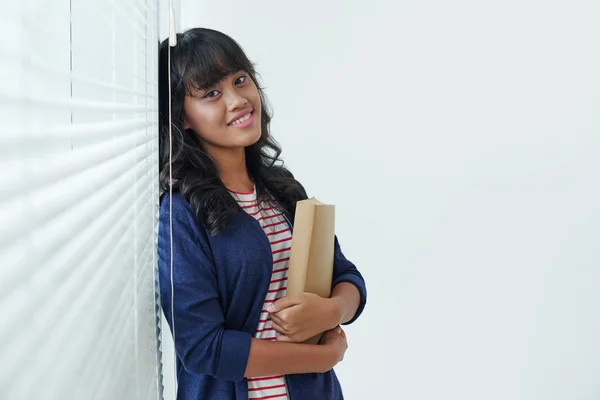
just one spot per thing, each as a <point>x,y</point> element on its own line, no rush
<point>460,142</point>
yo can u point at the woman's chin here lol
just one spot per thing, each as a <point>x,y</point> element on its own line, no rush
<point>252,137</point>
<point>244,137</point>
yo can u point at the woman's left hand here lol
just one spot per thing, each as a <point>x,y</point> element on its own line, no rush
<point>298,318</point>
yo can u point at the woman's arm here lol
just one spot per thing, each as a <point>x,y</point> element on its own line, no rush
<point>344,271</point>
<point>298,318</point>
<point>346,298</point>
<point>278,358</point>
<point>301,317</point>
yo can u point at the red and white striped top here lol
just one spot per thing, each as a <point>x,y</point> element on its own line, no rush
<point>278,232</point>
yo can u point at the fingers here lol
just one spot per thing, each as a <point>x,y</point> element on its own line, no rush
<point>279,329</point>
<point>283,338</point>
<point>337,331</point>
<point>283,303</point>
<point>278,323</point>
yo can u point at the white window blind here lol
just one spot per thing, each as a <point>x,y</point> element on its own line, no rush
<point>78,200</point>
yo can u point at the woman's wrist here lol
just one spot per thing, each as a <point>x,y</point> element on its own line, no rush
<point>282,358</point>
<point>347,299</point>
<point>328,357</point>
<point>336,311</point>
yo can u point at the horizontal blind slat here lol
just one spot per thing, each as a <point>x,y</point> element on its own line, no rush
<point>95,132</point>
<point>70,104</point>
<point>40,68</point>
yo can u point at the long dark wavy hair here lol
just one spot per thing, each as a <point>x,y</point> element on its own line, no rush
<point>201,58</point>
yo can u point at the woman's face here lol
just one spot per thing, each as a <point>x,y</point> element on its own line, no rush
<point>227,115</point>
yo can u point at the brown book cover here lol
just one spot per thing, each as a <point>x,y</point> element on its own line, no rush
<point>311,256</point>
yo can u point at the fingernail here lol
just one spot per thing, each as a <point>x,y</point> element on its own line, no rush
<point>271,308</point>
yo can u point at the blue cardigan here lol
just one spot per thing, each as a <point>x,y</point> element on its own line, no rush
<point>220,283</point>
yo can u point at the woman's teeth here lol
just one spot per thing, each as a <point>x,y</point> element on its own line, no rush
<point>243,119</point>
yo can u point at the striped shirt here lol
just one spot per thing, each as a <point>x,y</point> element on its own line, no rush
<point>278,232</point>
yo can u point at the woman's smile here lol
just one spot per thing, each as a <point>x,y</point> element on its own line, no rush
<point>243,119</point>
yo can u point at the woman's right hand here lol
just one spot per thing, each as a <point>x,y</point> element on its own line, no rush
<point>335,341</point>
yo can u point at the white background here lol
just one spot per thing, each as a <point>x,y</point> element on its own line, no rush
<point>460,142</point>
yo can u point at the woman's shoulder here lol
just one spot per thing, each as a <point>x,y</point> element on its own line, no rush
<point>300,188</point>
<point>303,192</point>
<point>291,182</point>
<point>179,203</point>
<point>175,206</point>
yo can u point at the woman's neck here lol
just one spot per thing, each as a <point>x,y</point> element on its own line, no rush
<point>233,170</point>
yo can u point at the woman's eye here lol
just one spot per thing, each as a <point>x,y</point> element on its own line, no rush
<point>211,94</point>
<point>241,80</point>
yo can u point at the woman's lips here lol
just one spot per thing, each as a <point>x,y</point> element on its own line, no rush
<point>244,121</point>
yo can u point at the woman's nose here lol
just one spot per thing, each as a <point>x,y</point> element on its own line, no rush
<point>235,100</point>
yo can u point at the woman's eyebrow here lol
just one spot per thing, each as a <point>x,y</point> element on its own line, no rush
<point>196,89</point>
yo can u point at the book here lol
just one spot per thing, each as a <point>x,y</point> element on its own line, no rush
<point>310,268</point>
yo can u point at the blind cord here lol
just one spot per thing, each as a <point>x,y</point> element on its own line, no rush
<point>172,43</point>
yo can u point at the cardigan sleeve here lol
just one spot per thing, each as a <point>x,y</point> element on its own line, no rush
<point>202,344</point>
<point>345,271</point>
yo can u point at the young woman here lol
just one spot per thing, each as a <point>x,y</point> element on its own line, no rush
<point>233,203</point>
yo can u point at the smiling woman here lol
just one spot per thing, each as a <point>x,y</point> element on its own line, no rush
<point>223,116</point>
<point>225,236</point>
<point>214,87</point>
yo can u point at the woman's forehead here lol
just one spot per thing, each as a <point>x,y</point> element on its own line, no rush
<point>206,63</point>
<point>202,81</point>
